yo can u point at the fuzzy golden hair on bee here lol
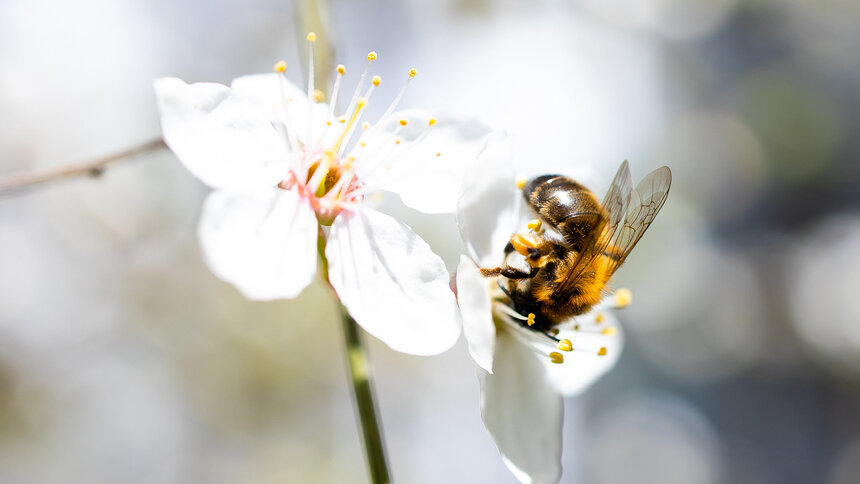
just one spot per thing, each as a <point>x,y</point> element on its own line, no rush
<point>575,244</point>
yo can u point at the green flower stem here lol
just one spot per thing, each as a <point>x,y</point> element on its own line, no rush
<point>362,384</point>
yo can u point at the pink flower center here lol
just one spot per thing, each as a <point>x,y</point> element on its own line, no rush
<point>329,183</point>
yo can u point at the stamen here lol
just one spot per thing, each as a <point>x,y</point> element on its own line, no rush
<point>345,179</point>
<point>358,108</point>
<point>565,345</point>
<point>341,70</point>
<point>412,73</point>
<point>599,318</point>
<point>534,225</point>
<point>623,298</point>
<point>318,95</point>
<point>280,67</point>
<point>556,357</point>
<point>371,56</point>
<point>610,331</point>
<point>317,182</point>
<point>510,312</point>
<point>312,37</point>
<point>601,351</point>
<point>521,182</point>
<point>531,320</point>
<point>350,128</point>
<point>403,122</point>
<point>431,122</point>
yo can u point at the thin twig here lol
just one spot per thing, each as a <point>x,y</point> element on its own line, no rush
<point>93,168</point>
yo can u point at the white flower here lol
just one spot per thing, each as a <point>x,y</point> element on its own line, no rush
<point>525,372</point>
<point>285,166</point>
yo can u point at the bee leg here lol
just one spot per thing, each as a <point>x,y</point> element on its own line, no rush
<point>510,272</point>
<point>514,273</point>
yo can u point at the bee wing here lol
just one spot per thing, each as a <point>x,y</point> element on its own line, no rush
<point>615,202</point>
<point>645,201</point>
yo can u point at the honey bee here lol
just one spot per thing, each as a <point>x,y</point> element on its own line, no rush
<point>575,244</point>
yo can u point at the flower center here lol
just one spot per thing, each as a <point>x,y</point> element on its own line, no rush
<point>324,159</point>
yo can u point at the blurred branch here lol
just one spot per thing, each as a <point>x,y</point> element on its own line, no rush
<point>94,168</point>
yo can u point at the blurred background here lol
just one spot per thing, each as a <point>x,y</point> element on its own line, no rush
<point>123,359</point>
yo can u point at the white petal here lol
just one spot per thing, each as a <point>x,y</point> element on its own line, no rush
<point>487,211</point>
<point>473,297</point>
<point>390,281</point>
<point>426,166</point>
<point>223,141</point>
<point>523,413</point>
<point>283,102</point>
<point>582,367</point>
<point>264,242</point>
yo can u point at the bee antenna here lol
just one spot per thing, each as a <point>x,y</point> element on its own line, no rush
<point>499,283</point>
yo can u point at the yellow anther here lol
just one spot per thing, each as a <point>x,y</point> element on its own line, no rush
<point>376,80</point>
<point>565,345</point>
<point>403,122</point>
<point>623,298</point>
<point>599,318</point>
<point>610,331</point>
<point>397,141</point>
<point>318,95</point>
<point>281,66</point>
<point>554,331</point>
<point>312,37</point>
<point>556,357</point>
<point>328,123</point>
<point>363,144</point>
<point>438,154</point>
<point>531,320</point>
<point>601,351</point>
<point>365,125</point>
<point>371,55</point>
<point>341,120</point>
<point>576,327</point>
<point>534,225</point>
<point>413,72</point>
<point>431,122</point>
<point>362,102</point>
<point>341,69</point>
<point>521,183</point>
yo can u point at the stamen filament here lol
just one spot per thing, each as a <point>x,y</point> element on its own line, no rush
<point>396,101</point>
<point>371,56</point>
<point>355,114</point>
<point>312,37</point>
<point>341,70</point>
<point>318,180</point>
<point>384,158</point>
